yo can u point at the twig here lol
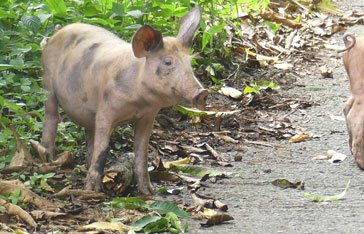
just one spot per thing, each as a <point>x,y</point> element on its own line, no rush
<point>259,143</point>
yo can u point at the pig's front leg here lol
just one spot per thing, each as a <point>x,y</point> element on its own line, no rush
<point>142,130</point>
<point>96,165</point>
<point>90,135</point>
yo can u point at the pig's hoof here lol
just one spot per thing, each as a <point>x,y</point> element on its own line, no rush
<point>146,190</point>
<point>93,183</point>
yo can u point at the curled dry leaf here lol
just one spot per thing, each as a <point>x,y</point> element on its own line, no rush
<point>284,183</point>
<point>225,138</point>
<point>183,161</point>
<point>27,196</point>
<point>164,176</point>
<point>41,150</point>
<point>45,214</point>
<point>83,194</point>
<point>22,155</point>
<point>335,157</point>
<point>327,198</point>
<point>300,137</point>
<point>231,92</point>
<point>332,156</point>
<point>283,66</point>
<point>326,72</point>
<point>215,154</point>
<point>18,211</point>
<point>105,226</point>
<point>213,217</point>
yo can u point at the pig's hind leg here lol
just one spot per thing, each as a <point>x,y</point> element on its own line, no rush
<point>51,120</point>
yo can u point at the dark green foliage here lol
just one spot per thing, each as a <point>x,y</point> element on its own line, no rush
<point>25,23</point>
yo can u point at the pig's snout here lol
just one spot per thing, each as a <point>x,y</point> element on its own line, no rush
<point>200,97</point>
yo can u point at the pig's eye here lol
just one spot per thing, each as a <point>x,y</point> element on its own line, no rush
<point>167,61</point>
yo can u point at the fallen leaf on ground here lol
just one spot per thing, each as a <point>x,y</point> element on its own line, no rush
<point>300,137</point>
<point>183,161</point>
<point>335,157</point>
<point>327,198</point>
<point>231,92</point>
<point>103,226</point>
<point>284,183</point>
<point>18,211</point>
<point>283,66</point>
<point>197,171</point>
<point>326,72</point>
<point>213,217</point>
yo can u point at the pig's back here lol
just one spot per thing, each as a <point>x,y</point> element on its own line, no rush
<point>77,61</point>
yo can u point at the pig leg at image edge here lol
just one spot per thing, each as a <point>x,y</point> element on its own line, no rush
<point>51,120</point>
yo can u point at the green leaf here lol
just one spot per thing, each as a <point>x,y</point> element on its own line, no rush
<point>174,221</point>
<point>190,111</point>
<point>163,207</point>
<point>58,7</point>
<point>135,13</point>
<point>216,29</point>
<point>327,198</point>
<point>127,202</point>
<point>32,22</point>
<point>206,37</point>
<point>248,89</point>
<point>162,225</point>
<point>145,220</point>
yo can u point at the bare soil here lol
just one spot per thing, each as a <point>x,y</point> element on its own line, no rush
<point>260,207</point>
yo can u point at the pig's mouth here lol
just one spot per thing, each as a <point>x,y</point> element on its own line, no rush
<point>200,98</point>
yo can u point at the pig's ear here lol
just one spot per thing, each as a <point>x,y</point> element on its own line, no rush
<point>189,25</point>
<point>146,39</point>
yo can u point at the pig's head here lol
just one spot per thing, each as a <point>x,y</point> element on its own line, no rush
<point>167,72</point>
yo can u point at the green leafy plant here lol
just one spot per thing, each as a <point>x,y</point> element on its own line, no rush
<point>38,182</point>
<point>165,216</point>
<point>14,198</point>
<point>256,87</point>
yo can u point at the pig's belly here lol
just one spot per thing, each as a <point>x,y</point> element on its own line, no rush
<point>78,110</point>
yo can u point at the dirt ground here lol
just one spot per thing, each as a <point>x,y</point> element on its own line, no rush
<point>260,207</point>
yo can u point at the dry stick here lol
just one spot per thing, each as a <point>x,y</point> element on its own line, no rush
<point>259,143</point>
<point>18,211</point>
<point>214,153</point>
<point>67,191</point>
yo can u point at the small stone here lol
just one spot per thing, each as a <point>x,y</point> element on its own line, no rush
<point>238,158</point>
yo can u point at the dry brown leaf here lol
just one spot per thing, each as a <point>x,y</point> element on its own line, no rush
<point>18,211</point>
<point>300,137</point>
<point>103,226</point>
<point>27,196</point>
<point>22,155</point>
